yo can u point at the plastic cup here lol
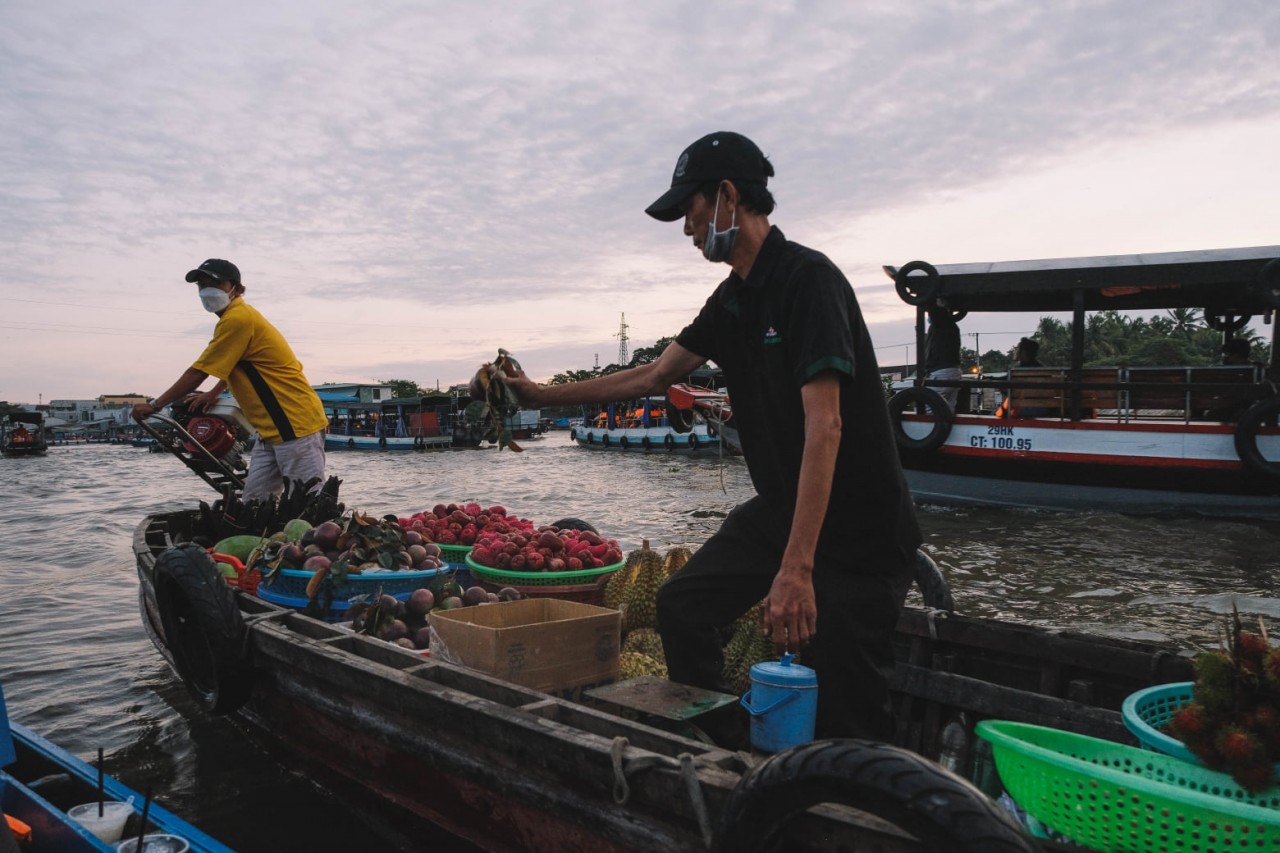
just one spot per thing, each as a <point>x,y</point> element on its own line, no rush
<point>107,828</point>
<point>155,842</point>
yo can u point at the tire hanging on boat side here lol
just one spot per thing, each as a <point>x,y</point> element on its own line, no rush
<point>1246,437</point>
<point>941,809</point>
<point>203,629</point>
<point>942,418</point>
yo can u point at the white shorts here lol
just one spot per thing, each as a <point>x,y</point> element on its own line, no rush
<point>271,464</point>
<point>948,394</point>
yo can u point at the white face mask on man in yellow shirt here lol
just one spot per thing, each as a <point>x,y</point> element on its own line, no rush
<point>214,299</point>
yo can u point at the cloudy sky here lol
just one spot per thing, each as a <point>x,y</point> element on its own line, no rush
<point>408,186</point>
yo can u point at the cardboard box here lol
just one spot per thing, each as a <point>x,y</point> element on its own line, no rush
<point>558,647</point>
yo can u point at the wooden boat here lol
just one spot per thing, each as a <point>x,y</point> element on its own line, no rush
<point>646,426</point>
<point>24,435</point>
<point>509,768</point>
<point>401,423</point>
<point>1135,439</point>
<point>40,781</point>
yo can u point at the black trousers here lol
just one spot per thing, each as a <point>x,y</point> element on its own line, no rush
<point>858,609</point>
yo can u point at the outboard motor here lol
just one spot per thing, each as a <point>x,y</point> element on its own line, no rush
<point>221,430</point>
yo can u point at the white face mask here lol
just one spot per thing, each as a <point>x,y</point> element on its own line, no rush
<point>719,244</point>
<point>214,299</point>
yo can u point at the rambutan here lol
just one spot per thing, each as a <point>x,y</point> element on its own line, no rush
<point>1254,776</point>
<point>1251,647</point>
<point>1239,747</point>
<point>1190,722</point>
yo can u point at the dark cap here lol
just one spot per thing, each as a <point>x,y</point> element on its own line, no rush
<point>216,268</point>
<point>714,157</point>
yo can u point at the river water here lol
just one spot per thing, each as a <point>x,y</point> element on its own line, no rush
<point>78,668</point>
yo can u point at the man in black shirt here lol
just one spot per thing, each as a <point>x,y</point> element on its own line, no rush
<point>830,538</point>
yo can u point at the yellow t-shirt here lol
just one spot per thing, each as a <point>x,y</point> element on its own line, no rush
<point>263,374</point>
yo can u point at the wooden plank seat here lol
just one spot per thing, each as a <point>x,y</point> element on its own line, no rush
<point>1191,402</point>
<point>1041,402</point>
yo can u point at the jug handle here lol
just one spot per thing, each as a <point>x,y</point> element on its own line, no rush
<point>745,701</point>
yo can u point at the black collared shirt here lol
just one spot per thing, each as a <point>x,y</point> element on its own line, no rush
<point>795,316</point>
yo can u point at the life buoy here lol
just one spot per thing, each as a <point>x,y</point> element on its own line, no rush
<point>624,443</point>
<point>604,440</point>
<point>351,444</point>
<point>645,443</point>
<point>942,810</point>
<point>203,629</point>
<point>670,442</point>
<point>919,289</point>
<point>1246,437</point>
<point>934,588</point>
<point>942,418</point>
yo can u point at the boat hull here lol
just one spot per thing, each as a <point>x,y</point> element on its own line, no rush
<point>394,443</point>
<point>660,439</point>
<point>1136,466</point>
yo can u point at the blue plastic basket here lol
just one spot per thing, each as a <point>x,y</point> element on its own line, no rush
<point>1147,711</point>
<point>337,612</point>
<point>293,582</point>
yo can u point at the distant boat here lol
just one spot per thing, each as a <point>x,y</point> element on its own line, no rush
<point>645,425</point>
<point>24,435</point>
<point>1200,439</point>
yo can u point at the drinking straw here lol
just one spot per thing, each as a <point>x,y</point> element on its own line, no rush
<point>100,791</point>
<point>142,826</point>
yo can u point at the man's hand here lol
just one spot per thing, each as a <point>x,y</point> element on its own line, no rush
<point>142,411</point>
<point>527,391</point>
<point>201,402</point>
<point>791,610</point>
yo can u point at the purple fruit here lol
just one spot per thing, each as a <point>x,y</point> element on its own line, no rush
<point>326,535</point>
<point>420,602</point>
<point>422,638</point>
<point>412,537</point>
<point>452,603</point>
<point>387,603</point>
<point>292,555</point>
<point>417,554</point>
<point>493,596</point>
<point>433,550</point>
<point>405,643</point>
<point>397,630</point>
<point>508,593</point>
<point>474,595</point>
<point>316,563</point>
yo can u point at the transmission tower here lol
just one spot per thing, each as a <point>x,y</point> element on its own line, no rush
<point>623,357</point>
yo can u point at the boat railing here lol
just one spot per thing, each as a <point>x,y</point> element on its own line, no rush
<point>1212,393</point>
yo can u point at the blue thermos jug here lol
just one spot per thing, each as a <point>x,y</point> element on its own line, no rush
<point>783,703</point>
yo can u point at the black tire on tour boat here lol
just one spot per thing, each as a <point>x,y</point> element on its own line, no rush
<point>670,442</point>
<point>591,438</point>
<point>942,418</point>
<point>574,524</point>
<point>351,444</point>
<point>203,629</point>
<point>916,290</point>
<point>624,442</point>
<point>942,810</point>
<point>604,440</point>
<point>573,433</point>
<point>645,443</point>
<point>934,588</point>
<point>1246,437</point>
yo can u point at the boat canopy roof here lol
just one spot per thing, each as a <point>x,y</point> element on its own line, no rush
<point>1219,281</point>
<point>26,418</point>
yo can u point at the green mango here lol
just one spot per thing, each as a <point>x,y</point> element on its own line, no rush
<point>239,547</point>
<point>228,570</point>
<point>294,529</point>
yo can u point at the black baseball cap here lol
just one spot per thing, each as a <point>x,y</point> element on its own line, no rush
<point>714,157</point>
<point>216,268</point>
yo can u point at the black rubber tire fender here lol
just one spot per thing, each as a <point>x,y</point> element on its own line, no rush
<point>1246,437</point>
<point>942,810</point>
<point>934,588</point>
<point>943,418</point>
<point>382,441</point>
<point>591,438</point>
<point>604,440</point>
<point>574,524</point>
<point>573,433</point>
<point>916,289</point>
<point>624,442</point>
<point>693,441</point>
<point>1222,322</point>
<point>351,444</point>
<point>646,443</point>
<point>203,629</point>
<point>670,442</point>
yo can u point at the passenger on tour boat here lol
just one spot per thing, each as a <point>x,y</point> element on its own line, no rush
<point>251,356</point>
<point>1236,351</point>
<point>942,352</point>
<point>830,539</point>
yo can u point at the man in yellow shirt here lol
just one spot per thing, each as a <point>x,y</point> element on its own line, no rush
<point>248,354</point>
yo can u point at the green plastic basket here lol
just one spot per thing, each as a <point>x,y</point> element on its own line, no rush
<point>505,576</point>
<point>454,555</point>
<point>1112,797</point>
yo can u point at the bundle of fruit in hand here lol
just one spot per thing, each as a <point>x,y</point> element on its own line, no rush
<point>547,549</point>
<point>1233,724</point>
<point>460,524</point>
<point>404,623</point>
<point>493,401</point>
